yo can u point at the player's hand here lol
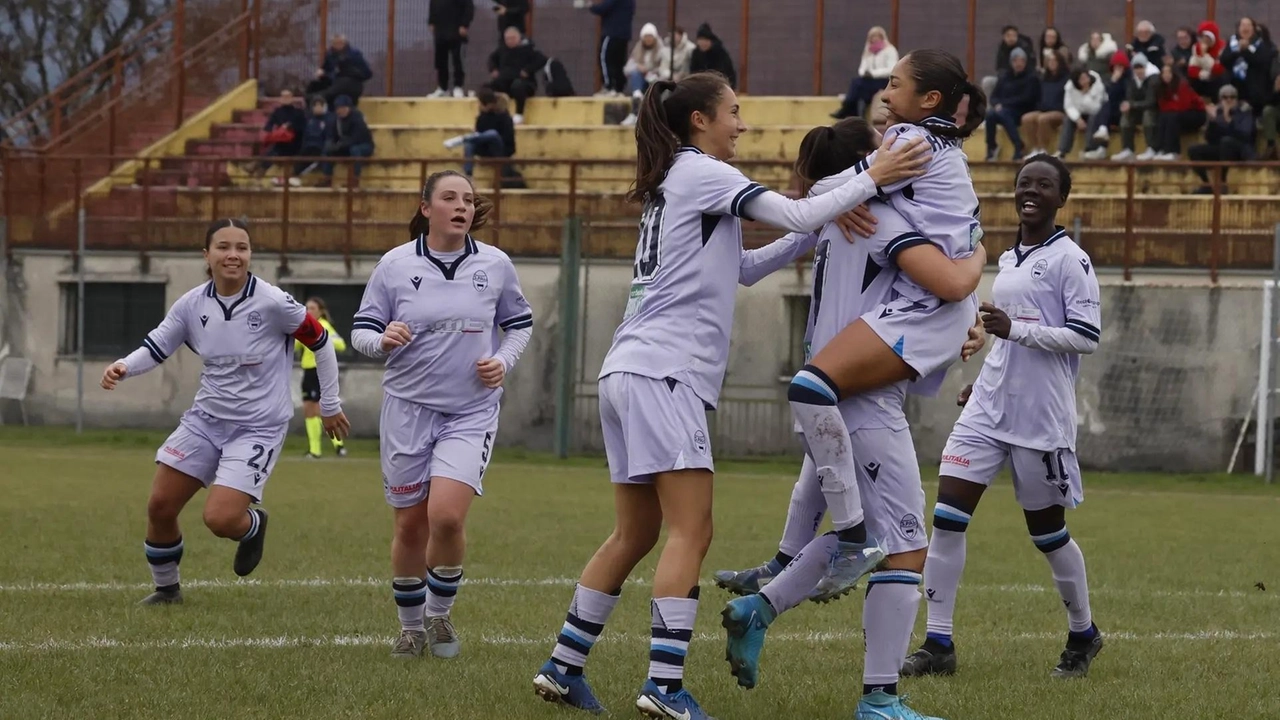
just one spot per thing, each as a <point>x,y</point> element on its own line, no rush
<point>337,426</point>
<point>113,374</point>
<point>1124,106</point>
<point>963,397</point>
<point>397,335</point>
<point>491,372</point>
<point>995,321</point>
<point>1082,124</point>
<point>977,340</point>
<point>900,161</point>
<point>857,222</point>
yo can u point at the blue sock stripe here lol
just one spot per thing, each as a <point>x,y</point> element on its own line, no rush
<point>590,628</point>
<point>409,594</point>
<point>899,577</point>
<point>654,647</point>
<point>573,643</point>
<point>1042,540</point>
<point>939,637</point>
<point>811,382</point>
<point>580,639</point>
<point>162,553</point>
<point>951,513</point>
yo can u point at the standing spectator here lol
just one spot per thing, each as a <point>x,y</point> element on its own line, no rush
<point>1139,108</point>
<point>1017,92</point>
<point>1181,111</point>
<point>1227,138</point>
<point>314,136</point>
<point>650,61</point>
<point>513,69</point>
<point>1095,55</point>
<point>349,136</point>
<point>1271,114</point>
<point>1051,42</point>
<point>1085,104</point>
<point>616,17</point>
<point>1010,40</point>
<point>449,21</point>
<point>282,134</point>
<point>711,55</point>
<point>878,58</point>
<point>495,134</point>
<point>1204,70</point>
<point>1117,86</point>
<point>681,54</point>
<point>344,73</point>
<point>1184,46</point>
<point>1148,42</point>
<point>1248,59</point>
<point>1041,126</point>
<point>511,13</point>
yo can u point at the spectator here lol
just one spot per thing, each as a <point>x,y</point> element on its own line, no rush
<point>1041,126</point>
<point>1184,46</point>
<point>349,136</point>
<point>1095,55</point>
<point>650,61</point>
<point>344,73</point>
<point>1010,39</point>
<point>878,58</point>
<point>1227,138</point>
<point>1085,104</point>
<point>513,69</point>
<point>1148,42</point>
<point>314,137</point>
<point>495,134</point>
<point>1139,108</point>
<point>1248,58</point>
<point>1204,70</point>
<point>1051,42</point>
<point>1016,94</point>
<point>616,17</point>
<point>1271,114</point>
<point>511,13</point>
<point>1117,86</point>
<point>1181,111</point>
<point>681,54</point>
<point>711,55</point>
<point>449,22</point>
<point>282,134</point>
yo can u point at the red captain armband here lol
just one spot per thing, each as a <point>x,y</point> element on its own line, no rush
<point>311,333</point>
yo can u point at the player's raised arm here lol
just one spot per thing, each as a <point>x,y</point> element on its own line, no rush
<point>760,263</point>
<point>156,347</point>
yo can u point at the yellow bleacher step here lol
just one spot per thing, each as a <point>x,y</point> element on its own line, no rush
<point>755,111</point>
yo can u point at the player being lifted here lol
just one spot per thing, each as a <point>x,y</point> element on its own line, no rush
<point>666,365</point>
<point>1045,310</point>
<point>243,328</point>
<point>432,308</point>
<point>311,382</point>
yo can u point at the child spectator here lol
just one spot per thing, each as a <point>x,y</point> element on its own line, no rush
<point>1181,111</point>
<point>449,22</point>
<point>348,136</point>
<point>1227,138</point>
<point>282,134</point>
<point>681,54</point>
<point>314,136</point>
<point>1248,59</point>
<point>1184,46</point>
<point>616,18</point>
<point>1085,104</point>
<point>1204,70</point>
<point>1042,125</point>
<point>1139,108</point>
<point>1017,92</point>
<point>1095,55</point>
<point>711,55</point>
<point>878,58</point>
<point>514,68</point>
<point>495,134</point>
<point>650,61</point>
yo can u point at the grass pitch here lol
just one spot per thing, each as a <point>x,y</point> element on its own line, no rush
<point>1176,563</point>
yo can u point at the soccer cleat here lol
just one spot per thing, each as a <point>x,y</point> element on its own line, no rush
<point>679,705</point>
<point>1076,658</point>
<point>848,564</point>
<point>745,582</point>
<point>249,554</point>
<point>409,645</point>
<point>163,597</point>
<point>931,659</point>
<point>746,620</point>
<point>880,705</point>
<point>573,690</point>
<point>442,638</point>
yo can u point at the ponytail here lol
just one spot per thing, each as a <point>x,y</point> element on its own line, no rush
<point>663,125</point>
<point>941,72</point>
<point>831,149</point>
<point>977,112</point>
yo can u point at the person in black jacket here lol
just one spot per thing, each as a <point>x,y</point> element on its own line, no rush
<point>711,55</point>
<point>286,116</point>
<point>1229,137</point>
<point>1248,58</point>
<point>344,73</point>
<point>495,134</point>
<point>348,137</point>
<point>449,21</point>
<point>616,18</point>
<point>1148,42</point>
<point>511,13</point>
<point>514,68</point>
<point>1010,39</point>
<point>314,135</point>
<point>1016,94</point>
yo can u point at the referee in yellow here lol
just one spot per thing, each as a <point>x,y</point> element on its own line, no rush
<point>311,382</point>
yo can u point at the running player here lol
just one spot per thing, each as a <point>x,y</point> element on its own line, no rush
<point>311,382</point>
<point>852,281</point>
<point>243,328</point>
<point>1046,312</point>
<point>433,308</point>
<point>666,365</point>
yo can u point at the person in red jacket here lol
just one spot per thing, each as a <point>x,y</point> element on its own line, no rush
<point>1181,111</point>
<point>1203,69</point>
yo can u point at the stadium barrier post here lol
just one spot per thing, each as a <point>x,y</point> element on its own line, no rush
<point>1077,230</point>
<point>819,21</point>
<point>390,70</point>
<point>570,264</point>
<point>1269,336</point>
<point>744,51</point>
<point>1263,396</point>
<point>80,320</point>
<point>1215,227</point>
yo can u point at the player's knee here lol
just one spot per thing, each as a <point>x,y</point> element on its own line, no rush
<point>447,523</point>
<point>163,509</point>
<point>635,542</point>
<point>696,536</point>
<point>912,561</point>
<point>1048,529</point>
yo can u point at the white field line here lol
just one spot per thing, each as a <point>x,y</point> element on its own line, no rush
<point>293,641</point>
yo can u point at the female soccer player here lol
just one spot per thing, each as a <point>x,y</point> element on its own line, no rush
<point>433,308</point>
<point>666,366</point>
<point>311,382</point>
<point>1046,312</point>
<point>851,281</point>
<point>241,327</point>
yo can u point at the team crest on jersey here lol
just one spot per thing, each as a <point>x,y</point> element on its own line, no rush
<point>700,442</point>
<point>1039,269</point>
<point>480,281</point>
<point>909,525</point>
<point>254,320</point>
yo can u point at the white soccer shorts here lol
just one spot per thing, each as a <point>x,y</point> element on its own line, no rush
<point>889,482</point>
<point>417,444</point>
<point>927,335</point>
<point>1040,479</point>
<point>219,452</point>
<point>652,426</point>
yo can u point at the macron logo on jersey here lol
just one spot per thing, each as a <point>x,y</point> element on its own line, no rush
<point>416,280</point>
<point>1084,263</point>
<point>204,320</point>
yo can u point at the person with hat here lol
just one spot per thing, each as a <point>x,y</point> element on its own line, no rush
<point>1229,137</point>
<point>711,55</point>
<point>349,136</point>
<point>1017,91</point>
<point>1139,108</point>
<point>1204,70</point>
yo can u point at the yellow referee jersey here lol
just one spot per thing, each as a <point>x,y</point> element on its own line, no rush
<point>308,357</point>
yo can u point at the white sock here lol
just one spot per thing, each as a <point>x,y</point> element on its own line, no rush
<point>804,514</point>
<point>794,584</point>
<point>588,612</point>
<point>670,633</point>
<point>942,571</point>
<point>1067,563</point>
<point>813,399</point>
<point>410,594</point>
<point>888,615</point>
<point>442,589</point>
<point>163,559</point>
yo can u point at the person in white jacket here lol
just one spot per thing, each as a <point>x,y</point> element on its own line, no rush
<point>650,61</point>
<point>878,58</point>
<point>682,55</point>
<point>1085,103</point>
<point>1096,54</point>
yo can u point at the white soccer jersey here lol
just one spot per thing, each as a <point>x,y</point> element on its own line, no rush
<point>454,308</point>
<point>1025,396</point>
<point>246,344</point>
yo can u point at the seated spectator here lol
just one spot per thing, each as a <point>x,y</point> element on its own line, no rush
<point>1181,111</point>
<point>682,55</point>
<point>1095,55</point>
<point>349,136</point>
<point>1140,108</point>
<point>344,73</point>
<point>1227,138</point>
<point>1010,40</point>
<point>1051,42</point>
<point>1042,125</point>
<point>314,136</point>
<point>1085,104</point>
<point>878,58</point>
<point>1271,115</point>
<point>1148,42</point>
<point>650,61</point>
<point>1248,58</point>
<point>1017,92</point>
<point>514,68</point>
<point>282,134</point>
<point>1117,83</point>
<point>495,134</point>
<point>1203,69</point>
<point>711,55</point>
<point>1184,46</point>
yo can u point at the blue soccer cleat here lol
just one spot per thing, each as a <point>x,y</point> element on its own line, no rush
<point>746,620</point>
<point>880,705</point>
<point>555,687</point>
<point>679,705</point>
<point>746,582</point>
<point>848,564</point>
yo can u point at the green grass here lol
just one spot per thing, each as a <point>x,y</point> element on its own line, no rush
<point>1173,563</point>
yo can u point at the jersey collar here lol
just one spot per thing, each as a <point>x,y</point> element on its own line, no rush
<point>1059,233</point>
<point>689,149</point>
<point>211,290</point>
<point>936,121</point>
<point>469,248</point>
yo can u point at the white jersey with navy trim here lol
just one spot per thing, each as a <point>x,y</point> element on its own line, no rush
<point>454,308</point>
<point>1024,396</point>
<point>246,345</point>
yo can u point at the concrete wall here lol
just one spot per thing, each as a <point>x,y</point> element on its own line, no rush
<point>1167,389</point>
